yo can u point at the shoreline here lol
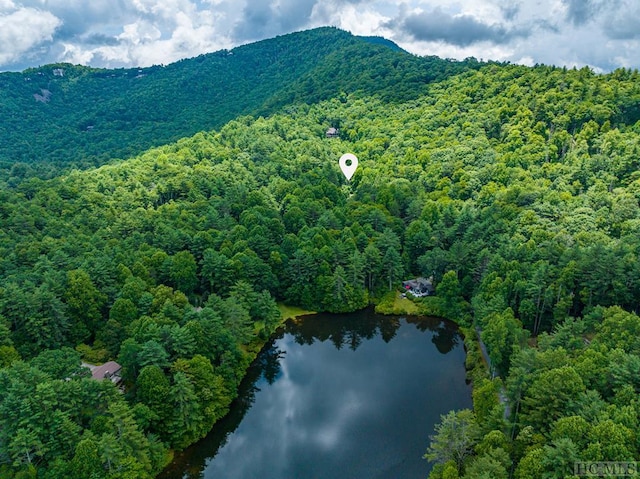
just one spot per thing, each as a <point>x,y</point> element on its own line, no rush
<point>475,367</point>
<point>251,350</point>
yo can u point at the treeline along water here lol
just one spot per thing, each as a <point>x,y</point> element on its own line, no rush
<point>348,396</point>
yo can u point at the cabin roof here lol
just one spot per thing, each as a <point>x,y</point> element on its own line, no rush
<point>419,283</point>
<point>106,370</point>
<point>332,132</point>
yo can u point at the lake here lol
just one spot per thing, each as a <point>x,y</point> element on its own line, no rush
<point>351,396</point>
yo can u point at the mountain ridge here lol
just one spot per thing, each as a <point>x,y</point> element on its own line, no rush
<point>66,115</point>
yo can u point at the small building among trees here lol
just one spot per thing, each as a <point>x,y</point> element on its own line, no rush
<point>419,286</point>
<point>109,370</point>
<point>332,133</point>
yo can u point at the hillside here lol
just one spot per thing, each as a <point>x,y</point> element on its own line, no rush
<point>64,115</point>
<point>516,187</point>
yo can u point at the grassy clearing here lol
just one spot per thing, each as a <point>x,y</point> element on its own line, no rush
<point>393,303</point>
<point>405,305</point>
<point>292,312</point>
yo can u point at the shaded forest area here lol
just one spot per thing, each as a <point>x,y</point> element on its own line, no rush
<point>516,187</point>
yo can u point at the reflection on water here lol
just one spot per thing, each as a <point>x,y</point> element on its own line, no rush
<point>337,396</point>
<point>343,329</point>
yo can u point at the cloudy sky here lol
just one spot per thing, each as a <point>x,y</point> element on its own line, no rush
<point>604,34</point>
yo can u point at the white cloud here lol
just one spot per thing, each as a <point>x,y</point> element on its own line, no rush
<point>23,29</point>
<point>188,38</point>
<point>165,9</point>
<point>76,55</point>
<point>7,6</point>
<point>114,33</point>
<point>481,50</point>
<point>360,19</point>
<point>139,33</point>
<point>166,32</point>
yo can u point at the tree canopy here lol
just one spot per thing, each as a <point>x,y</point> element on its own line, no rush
<point>61,116</point>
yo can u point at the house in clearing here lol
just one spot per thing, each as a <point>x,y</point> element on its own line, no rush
<point>109,370</point>
<point>419,286</point>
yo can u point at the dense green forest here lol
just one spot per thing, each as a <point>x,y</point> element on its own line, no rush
<point>517,188</point>
<point>62,116</point>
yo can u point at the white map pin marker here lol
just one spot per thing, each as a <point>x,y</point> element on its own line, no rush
<point>348,164</point>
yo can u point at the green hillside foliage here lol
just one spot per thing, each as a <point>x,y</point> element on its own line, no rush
<point>516,188</point>
<point>61,116</point>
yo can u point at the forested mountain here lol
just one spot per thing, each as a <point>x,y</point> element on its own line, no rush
<point>516,187</point>
<point>64,115</point>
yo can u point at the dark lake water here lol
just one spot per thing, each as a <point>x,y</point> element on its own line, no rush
<point>351,396</point>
